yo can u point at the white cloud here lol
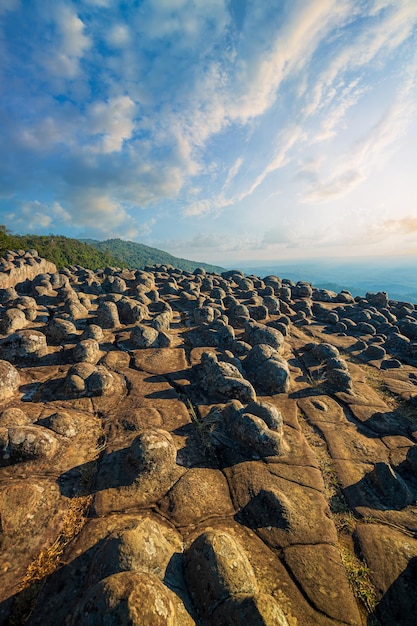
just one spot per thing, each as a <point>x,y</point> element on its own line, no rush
<point>118,35</point>
<point>232,172</point>
<point>64,60</point>
<point>285,142</point>
<point>373,151</point>
<point>113,122</point>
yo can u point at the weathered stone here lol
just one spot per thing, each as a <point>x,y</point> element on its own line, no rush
<point>25,345</point>
<point>130,598</point>
<point>63,424</point>
<point>256,334</point>
<point>108,315</point>
<point>144,546</point>
<point>144,336</point>
<point>223,381</point>
<point>267,370</point>
<point>259,610</point>
<point>9,380</point>
<point>87,350</point>
<point>26,443</point>
<point>12,320</point>
<point>216,568</point>
<point>392,489</point>
<point>253,432</point>
<point>60,330</point>
<point>92,331</point>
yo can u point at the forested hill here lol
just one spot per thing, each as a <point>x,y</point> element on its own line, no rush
<point>131,254</point>
<point>65,251</point>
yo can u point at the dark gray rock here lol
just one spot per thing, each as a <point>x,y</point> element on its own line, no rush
<point>267,370</point>
<point>217,568</point>
<point>260,334</point>
<point>223,381</point>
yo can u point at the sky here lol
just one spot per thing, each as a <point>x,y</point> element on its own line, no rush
<point>217,130</point>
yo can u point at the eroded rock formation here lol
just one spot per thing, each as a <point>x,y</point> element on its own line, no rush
<point>189,448</point>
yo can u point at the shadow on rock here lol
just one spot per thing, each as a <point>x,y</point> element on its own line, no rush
<point>399,604</point>
<point>265,510</point>
<point>383,488</point>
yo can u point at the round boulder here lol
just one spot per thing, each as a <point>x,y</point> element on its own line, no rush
<point>9,380</point>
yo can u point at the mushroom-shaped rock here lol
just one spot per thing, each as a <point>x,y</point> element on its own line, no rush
<point>63,424</point>
<point>217,568</point>
<point>223,381</point>
<point>25,345</point>
<point>26,443</point>
<point>272,304</point>
<point>75,309</point>
<point>101,382</point>
<point>339,379</point>
<point>131,311</point>
<point>142,475</point>
<point>267,507</point>
<point>204,315</point>
<point>153,452</point>
<point>323,351</point>
<point>11,320</point>
<point>260,334</point>
<point>144,336</point>
<point>60,330</point>
<point>253,432</point>
<point>87,351</point>
<point>75,379</point>
<point>92,331</point>
<point>9,380</point>
<point>108,315</point>
<point>162,321</point>
<point>145,546</point>
<point>267,370</point>
<point>114,284</point>
<point>238,315</point>
<point>268,413</point>
<point>133,598</point>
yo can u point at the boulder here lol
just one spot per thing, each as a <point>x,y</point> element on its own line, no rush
<point>223,381</point>
<point>217,568</point>
<point>9,380</point>
<point>267,370</point>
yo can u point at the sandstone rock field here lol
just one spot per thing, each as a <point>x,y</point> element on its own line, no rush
<point>214,449</point>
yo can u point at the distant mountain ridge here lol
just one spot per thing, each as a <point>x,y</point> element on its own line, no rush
<point>93,254</point>
<point>137,255</point>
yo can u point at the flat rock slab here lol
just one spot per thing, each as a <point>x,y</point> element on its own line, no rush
<point>160,360</point>
<point>32,514</point>
<point>200,494</point>
<point>392,560</point>
<point>274,507</point>
<point>320,572</point>
<point>137,449</point>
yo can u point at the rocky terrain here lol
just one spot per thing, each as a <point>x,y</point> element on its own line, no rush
<point>190,448</point>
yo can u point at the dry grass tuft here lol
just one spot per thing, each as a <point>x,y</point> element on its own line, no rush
<point>49,558</point>
<point>47,561</point>
<point>344,519</point>
<point>359,579</point>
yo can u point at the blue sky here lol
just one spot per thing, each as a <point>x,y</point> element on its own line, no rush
<point>217,130</point>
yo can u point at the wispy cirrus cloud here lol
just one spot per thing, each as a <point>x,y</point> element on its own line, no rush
<point>199,110</point>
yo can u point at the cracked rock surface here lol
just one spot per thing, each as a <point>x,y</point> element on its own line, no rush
<point>188,448</point>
